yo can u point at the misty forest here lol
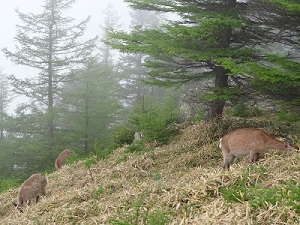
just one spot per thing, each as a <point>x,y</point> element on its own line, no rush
<point>223,64</point>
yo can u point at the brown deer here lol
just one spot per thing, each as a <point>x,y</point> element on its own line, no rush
<point>62,158</point>
<point>250,141</point>
<point>31,188</point>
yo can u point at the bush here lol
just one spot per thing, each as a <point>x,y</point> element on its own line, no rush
<point>123,135</point>
<point>242,110</point>
<point>8,183</point>
<point>155,124</point>
<point>289,117</point>
<point>138,146</point>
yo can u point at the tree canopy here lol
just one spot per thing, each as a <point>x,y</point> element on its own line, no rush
<point>219,38</point>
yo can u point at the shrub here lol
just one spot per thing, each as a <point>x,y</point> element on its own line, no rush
<point>138,146</point>
<point>155,124</point>
<point>242,110</point>
<point>8,183</point>
<point>123,135</point>
<point>289,117</point>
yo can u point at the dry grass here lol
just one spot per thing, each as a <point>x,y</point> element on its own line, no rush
<point>181,181</point>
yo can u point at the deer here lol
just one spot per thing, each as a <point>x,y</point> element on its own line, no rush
<point>31,188</point>
<point>62,158</point>
<point>250,141</point>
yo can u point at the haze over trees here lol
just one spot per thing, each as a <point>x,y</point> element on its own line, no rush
<point>89,97</point>
<point>50,43</point>
<point>231,41</point>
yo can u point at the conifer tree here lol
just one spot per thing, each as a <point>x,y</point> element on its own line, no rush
<point>89,107</point>
<point>5,99</point>
<point>223,38</point>
<point>50,43</point>
<point>111,23</point>
<point>132,64</point>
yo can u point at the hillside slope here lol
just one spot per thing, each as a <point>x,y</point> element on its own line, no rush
<point>180,183</point>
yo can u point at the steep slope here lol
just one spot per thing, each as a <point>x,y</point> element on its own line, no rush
<point>180,183</point>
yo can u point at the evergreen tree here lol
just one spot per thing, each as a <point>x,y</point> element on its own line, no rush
<point>89,108</point>
<point>111,22</point>
<point>50,43</point>
<point>5,99</point>
<point>214,38</point>
<point>135,89</point>
<point>277,72</point>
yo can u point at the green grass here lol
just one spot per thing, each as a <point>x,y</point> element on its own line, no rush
<point>7,183</point>
<point>139,213</point>
<point>246,189</point>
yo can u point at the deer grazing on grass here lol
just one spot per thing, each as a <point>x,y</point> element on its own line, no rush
<point>31,188</point>
<point>62,158</point>
<point>250,141</point>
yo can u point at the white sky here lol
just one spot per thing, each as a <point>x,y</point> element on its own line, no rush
<point>80,10</point>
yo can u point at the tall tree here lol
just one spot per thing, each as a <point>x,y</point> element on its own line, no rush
<point>90,106</point>
<point>225,38</point>
<point>5,99</point>
<point>278,70</point>
<point>132,64</point>
<point>111,23</point>
<point>52,44</point>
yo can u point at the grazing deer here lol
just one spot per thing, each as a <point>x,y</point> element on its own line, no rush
<point>250,141</point>
<point>62,158</point>
<point>31,188</point>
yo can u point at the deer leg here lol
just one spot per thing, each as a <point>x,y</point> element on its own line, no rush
<point>228,159</point>
<point>37,199</point>
<point>254,156</point>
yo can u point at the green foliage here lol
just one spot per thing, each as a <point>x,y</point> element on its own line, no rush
<point>291,5</point>
<point>199,116</point>
<point>155,124</point>
<point>240,189</point>
<point>154,117</point>
<point>90,105</point>
<point>137,146</point>
<point>74,157</point>
<point>242,110</point>
<point>221,35</point>
<point>123,135</point>
<point>98,192</point>
<point>103,153</point>
<point>159,217</point>
<point>288,117</point>
<point>140,214</point>
<point>89,162</point>
<point>157,177</point>
<point>225,94</point>
<point>7,183</point>
<point>246,189</point>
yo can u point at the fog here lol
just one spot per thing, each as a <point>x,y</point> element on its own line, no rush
<point>80,11</point>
